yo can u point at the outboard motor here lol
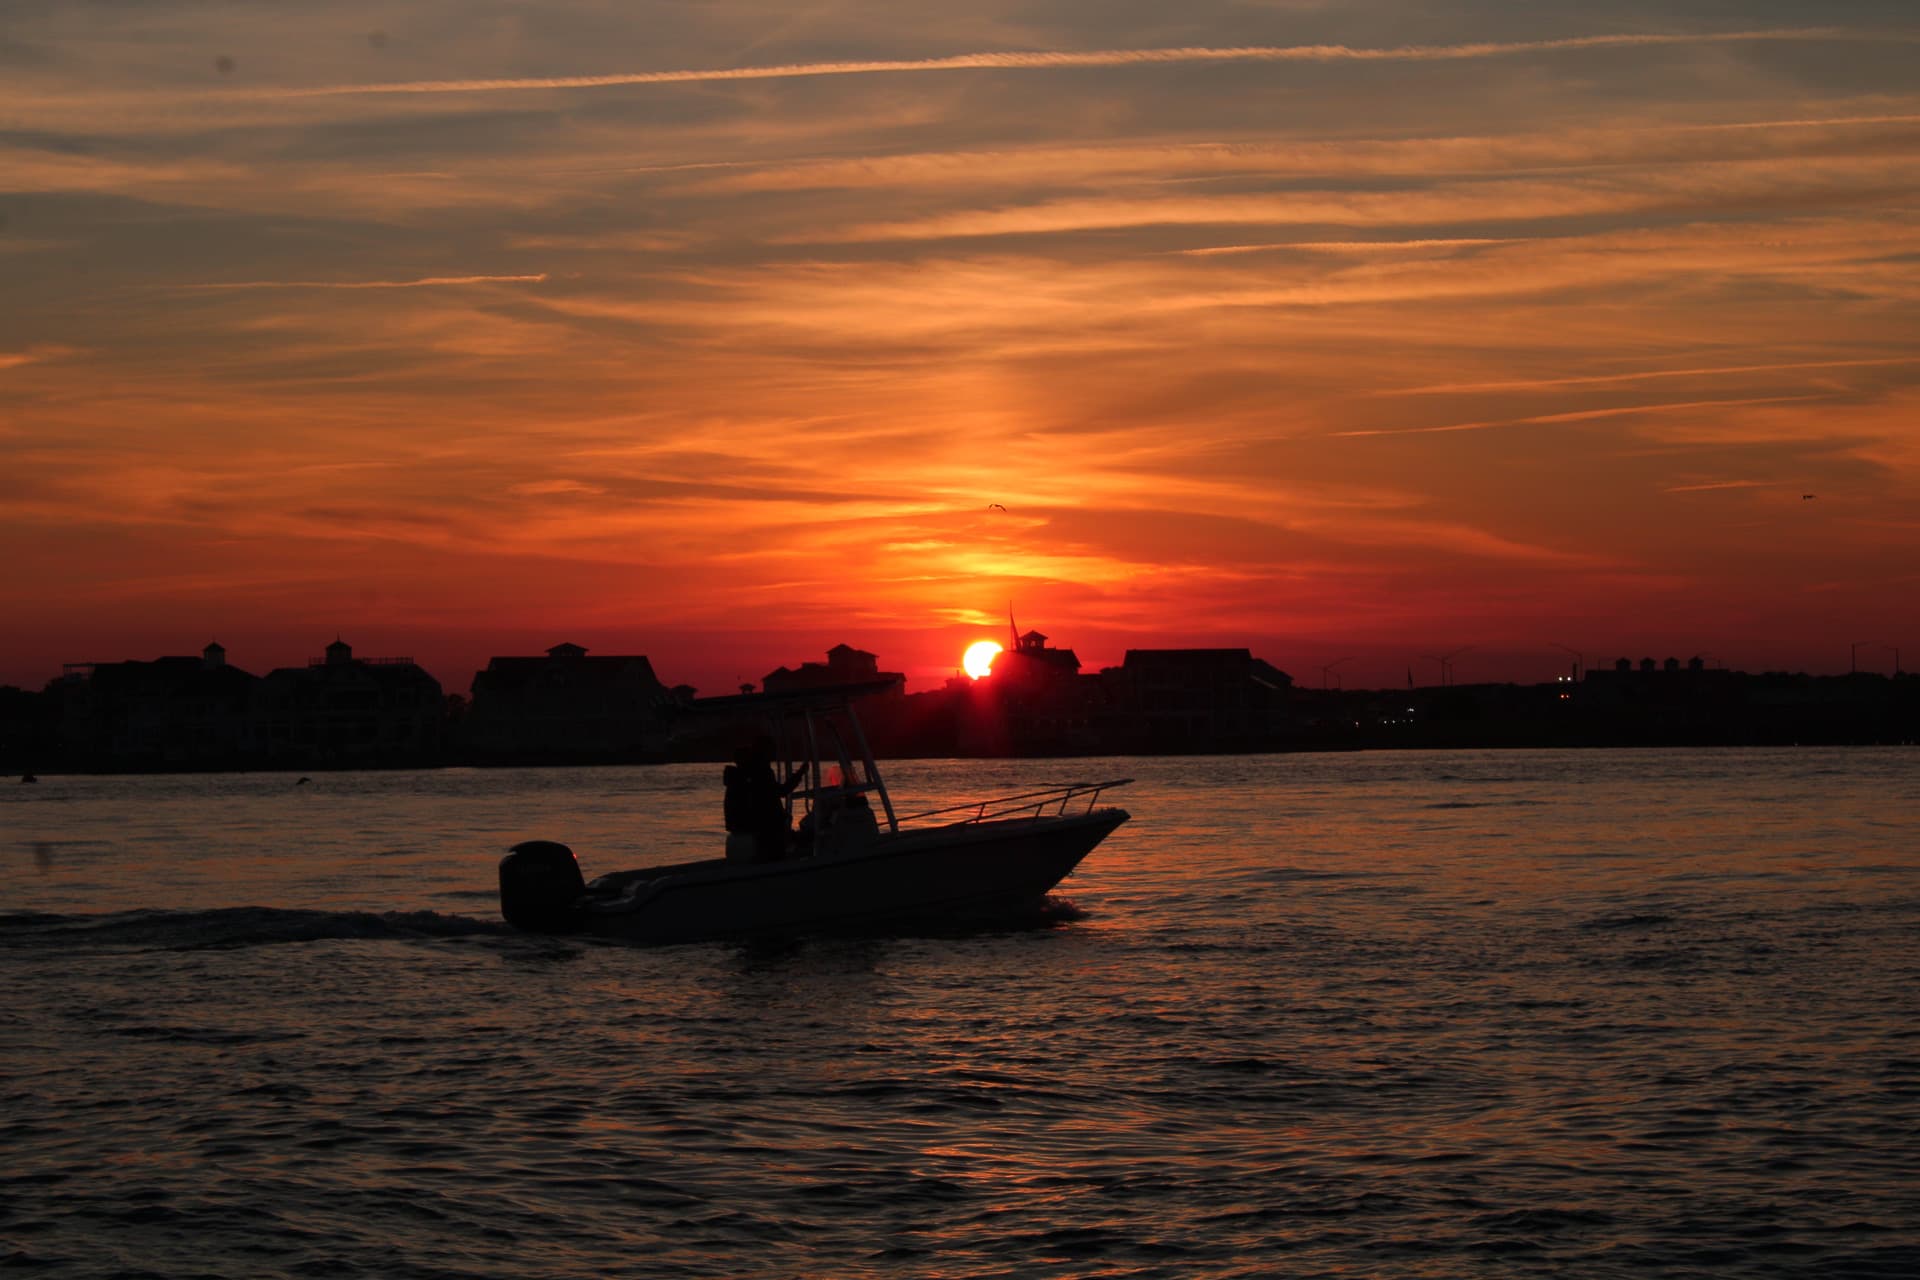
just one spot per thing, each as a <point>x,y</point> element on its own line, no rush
<point>540,881</point>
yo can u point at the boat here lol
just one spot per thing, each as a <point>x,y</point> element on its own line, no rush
<point>851,869</point>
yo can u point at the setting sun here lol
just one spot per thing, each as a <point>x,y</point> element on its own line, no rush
<point>979,658</point>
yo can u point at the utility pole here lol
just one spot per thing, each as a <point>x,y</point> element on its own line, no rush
<point>1446,662</point>
<point>1327,672</point>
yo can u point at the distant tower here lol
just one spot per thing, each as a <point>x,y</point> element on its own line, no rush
<point>214,655</point>
<point>339,653</point>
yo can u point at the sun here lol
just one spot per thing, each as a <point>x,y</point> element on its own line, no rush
<point>979,659</point>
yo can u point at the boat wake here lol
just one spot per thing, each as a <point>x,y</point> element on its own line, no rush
<point>233,927</point>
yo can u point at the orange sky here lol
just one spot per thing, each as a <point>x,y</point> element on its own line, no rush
<point>1343,331</point>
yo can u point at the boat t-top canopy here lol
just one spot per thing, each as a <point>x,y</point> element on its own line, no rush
<point>827,697</point>
<point>815,727</point>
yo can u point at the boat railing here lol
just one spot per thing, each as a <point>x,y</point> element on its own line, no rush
<point>1054,801</point>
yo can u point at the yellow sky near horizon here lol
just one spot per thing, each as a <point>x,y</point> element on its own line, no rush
<point>711,332</point>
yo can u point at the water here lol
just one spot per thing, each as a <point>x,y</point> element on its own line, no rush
<point>1572,1014</point>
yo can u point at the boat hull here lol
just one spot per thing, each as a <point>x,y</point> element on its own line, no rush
<point>965,872</point>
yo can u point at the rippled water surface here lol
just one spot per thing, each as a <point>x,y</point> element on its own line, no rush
<point>1601,1013</point>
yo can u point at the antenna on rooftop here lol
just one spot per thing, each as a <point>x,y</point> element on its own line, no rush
<point>1327,672</point>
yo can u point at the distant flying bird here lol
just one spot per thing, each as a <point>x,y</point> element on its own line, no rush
<point>994,506</point>
<point>1806,497</point>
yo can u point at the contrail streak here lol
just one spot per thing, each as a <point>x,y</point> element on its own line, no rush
<point>1039,60</point>
<point>1722,484</point>
<point>1340,246</point>
<point>423,282</point>
<point>1580,415</point>
<point>1645,375</point>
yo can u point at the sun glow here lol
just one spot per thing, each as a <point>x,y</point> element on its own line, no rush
<point>979,658</point>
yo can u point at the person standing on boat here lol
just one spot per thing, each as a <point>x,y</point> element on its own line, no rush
<point>756,801</point>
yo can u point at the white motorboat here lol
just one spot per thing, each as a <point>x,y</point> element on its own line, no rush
<point>850,869</point>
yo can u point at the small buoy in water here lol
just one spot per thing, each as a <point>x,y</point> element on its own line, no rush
<point>303,782</point>
<point>27,777</point>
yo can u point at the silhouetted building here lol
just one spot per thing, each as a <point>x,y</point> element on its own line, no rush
<point>1201,699</point>
<point>171,712</point>
<point>1664,684</point>
<point>26,730</point>
<point>844,665</point>
<point>343,710</point>
<point>1034,702</point>
<point>1033,664</point>
<point>570,706</point>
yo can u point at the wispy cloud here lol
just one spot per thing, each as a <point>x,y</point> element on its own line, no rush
<point>556,488</point>
<point>1627,142</point>
<point>39,353</point>
<point>1702,189</point>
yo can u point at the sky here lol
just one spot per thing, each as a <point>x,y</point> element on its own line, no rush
<point>1356,333</point>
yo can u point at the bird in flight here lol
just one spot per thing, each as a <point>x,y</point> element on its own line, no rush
<point>1806,497</point>
<point>994,506</point>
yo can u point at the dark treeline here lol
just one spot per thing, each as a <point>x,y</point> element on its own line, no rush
<point>570,707</point>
